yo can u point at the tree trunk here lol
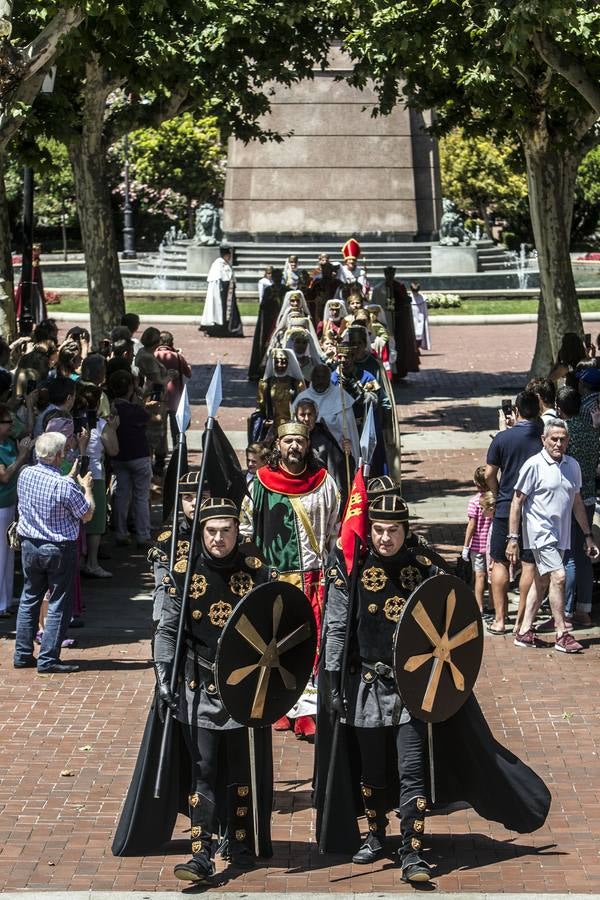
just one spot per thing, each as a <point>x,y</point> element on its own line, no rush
<point>8,325</point>
<point>87,152</point>
<point>551,175</point>
<point>483,214</point>
<point>105,287</point>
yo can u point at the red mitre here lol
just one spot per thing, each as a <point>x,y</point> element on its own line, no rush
<point>351,249</point>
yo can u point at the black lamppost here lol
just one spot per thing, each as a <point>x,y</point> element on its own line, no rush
<point>26,316</point>
<point>26,319</point>
<point>128,226</point>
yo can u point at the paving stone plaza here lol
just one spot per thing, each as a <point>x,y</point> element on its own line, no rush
<point>68,743</point>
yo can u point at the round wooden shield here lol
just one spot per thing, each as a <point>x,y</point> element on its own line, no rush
<point>266,653</point>
<point>438,646</point>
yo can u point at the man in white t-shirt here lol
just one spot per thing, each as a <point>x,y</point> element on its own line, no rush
<point>547,492</point>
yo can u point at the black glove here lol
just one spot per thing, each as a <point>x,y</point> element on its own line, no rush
<point>165,698</point>
<point>334,701</point>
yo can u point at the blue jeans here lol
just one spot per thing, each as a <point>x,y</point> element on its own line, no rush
<point>46,567</point>
<point>579,571</point>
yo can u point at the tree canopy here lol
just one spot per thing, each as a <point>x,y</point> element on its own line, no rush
<point>140,63</point>
<point>479,66</point>
<point>481,174</point>
<point>176,167</point>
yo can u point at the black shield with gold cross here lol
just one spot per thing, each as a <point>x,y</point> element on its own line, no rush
<point>266,654</point>
<point>438,646</point>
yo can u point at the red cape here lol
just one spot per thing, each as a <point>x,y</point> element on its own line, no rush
<point>282,482</point>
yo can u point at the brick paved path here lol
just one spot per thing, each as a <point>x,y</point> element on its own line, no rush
<point>68,743</point>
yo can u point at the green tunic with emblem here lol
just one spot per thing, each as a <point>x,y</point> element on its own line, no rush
<point>384,585</point>
<point>216,587</point>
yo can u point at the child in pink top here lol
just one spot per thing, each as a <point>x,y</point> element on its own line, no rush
<point>477,533</point>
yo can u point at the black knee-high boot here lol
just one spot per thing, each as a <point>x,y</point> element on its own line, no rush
<point>412,825</point>
<point>239,825</point>
<point>375,809</point>
<point>201,866</point>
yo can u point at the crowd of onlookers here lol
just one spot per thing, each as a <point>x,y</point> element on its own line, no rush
<point>533,512</point>
<point>103,419</point>
<point>100,417</point>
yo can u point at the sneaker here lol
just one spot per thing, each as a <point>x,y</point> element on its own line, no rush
<point>527,639</point>
<point>567,643</point>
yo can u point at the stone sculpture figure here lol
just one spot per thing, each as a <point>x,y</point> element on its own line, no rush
<point>208,226</point>
<point>452,227</point>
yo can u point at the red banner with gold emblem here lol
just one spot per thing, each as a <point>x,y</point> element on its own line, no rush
<point>355,521</point>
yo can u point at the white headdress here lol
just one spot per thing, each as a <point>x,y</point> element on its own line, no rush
<point>293,369</point>
<point>327,311</point>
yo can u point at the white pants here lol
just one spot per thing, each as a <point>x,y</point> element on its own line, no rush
<point>7,559</point>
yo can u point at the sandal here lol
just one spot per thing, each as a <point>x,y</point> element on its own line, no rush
<point>496,631</point>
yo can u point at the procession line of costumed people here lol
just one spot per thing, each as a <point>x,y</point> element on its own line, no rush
<point>340,344</point>
<point>382,764</point>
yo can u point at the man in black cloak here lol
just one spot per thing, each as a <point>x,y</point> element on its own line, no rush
<point>382,758</point>
<point>268,310</point>
<point>392,296</point>
<point>208,768</point>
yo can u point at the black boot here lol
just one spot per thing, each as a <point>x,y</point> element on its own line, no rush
<point>239,826</point>
<point>374,845</point>
<point>201,866</point>
<point>412,825</point>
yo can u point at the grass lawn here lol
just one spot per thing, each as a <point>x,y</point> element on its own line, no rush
<point>182,306</point>
<point>504,307</point>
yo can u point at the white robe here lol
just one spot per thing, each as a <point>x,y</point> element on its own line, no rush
<point>336,413</point>
<point>212,313</point>
<point>421,319</point>
<point>263,284</point>
<point>355,276</point>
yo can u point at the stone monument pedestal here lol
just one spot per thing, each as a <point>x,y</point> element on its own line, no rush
<point>338,172</point>
<point>457,260</point>
<point>199,258</point>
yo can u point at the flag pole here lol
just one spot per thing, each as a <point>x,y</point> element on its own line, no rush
<point>183,419</point>
<point>213,401</point>
<point>345,431</point>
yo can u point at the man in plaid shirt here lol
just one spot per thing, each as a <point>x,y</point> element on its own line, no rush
<point>51,508</point>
